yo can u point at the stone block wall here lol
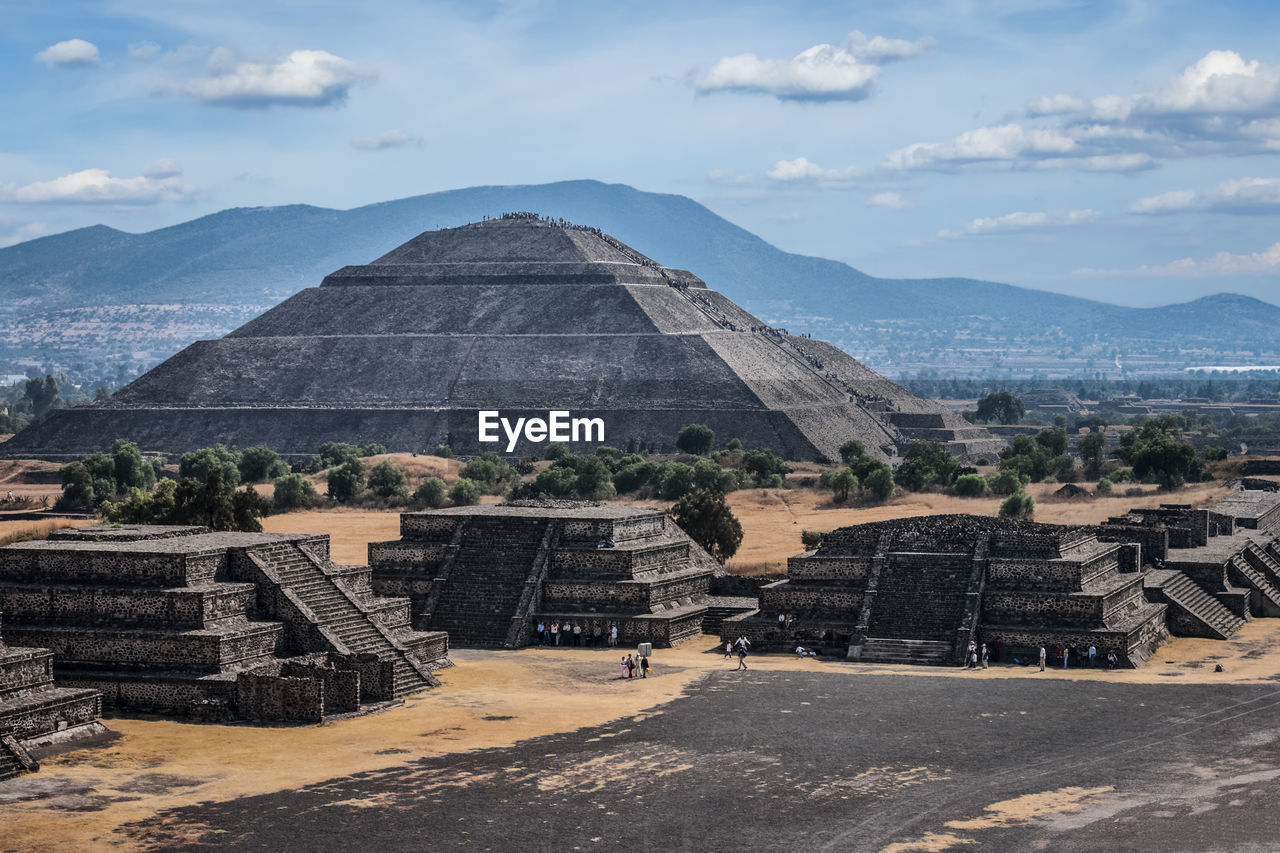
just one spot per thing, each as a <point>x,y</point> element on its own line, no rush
<point>279,698</point>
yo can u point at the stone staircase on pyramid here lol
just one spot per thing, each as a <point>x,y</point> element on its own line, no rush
<point>1192,610</point>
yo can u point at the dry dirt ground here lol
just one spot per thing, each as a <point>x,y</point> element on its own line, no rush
<point>166,785</point>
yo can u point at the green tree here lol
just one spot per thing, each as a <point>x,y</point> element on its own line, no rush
<point>465,493</point>
<point>42,395</point>
<point>489,469</point>
<point>1154,448</point>
<point>707,519</point>
<point>1006,482</point>
<point>373,449</point>
<point>345,481</point>
<point>559,481</point>
<point>293,491</point>
<point>431,492</point>
<point>388,480</point>
<point>677,480</point>
<point>1052,440</point>
<point>1018,505</point>
<point>970,486</point>
<point>765,467</point>
<point>878,483</point>
<point>555,450</point>
<point>633,477</point>
<point>332,454</point>
<point>733,445</point>
<point>129,470</point>
<point>593,477</point>
<point>260,463</point>
<point>810,539</point>
<point>1093,450</point>
<point>697,439</point>
<point>77,487</point>
<point>841,483</point>
<point>925,465</point>
<point>1001,406</point>
<point>444,451</point>
<point>199,464</point>
<point>852,451</point>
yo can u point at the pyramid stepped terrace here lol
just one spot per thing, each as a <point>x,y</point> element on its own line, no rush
<point>489,574</point>
<point>213,626</point>
<point>518,315</point>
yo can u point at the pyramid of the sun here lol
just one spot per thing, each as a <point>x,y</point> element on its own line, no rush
<point>519,315</point>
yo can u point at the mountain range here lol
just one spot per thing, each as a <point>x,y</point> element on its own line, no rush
<point>255,257</point>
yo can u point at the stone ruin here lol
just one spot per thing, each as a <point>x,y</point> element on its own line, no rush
<point>212,626</point>
<point>918,590</point>
<point>489,574</point>
<point>34,712</point>
<point>518,315</point>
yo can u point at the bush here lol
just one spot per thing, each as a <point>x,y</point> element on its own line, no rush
<point>1213,453</point>
<point>841,483</point>
<point>489,469</point>
<point>733,445</point>
<point>677,481</point>
<point>465,493</point>
<point>198,464</point>
<point>1123,475</point>
<point>633,477</point>
<point>1018,505</point>
<point>345,481</point>
<point>810,539</point>
<point>293,491</point>
<point>77,487</point>
<point>373,450</point>
<point>851,451</point>
<point>970,486</point>
<point>1063,468</point>
<point>1006,482</point>
<point>926,464</point>
<point>431,492</point>
<point>444,451</point>
<point>697,439</point>
<point>593,478</point>
<point>1104,487</point>
<point>878,483</point>
<point>331,454</point>
<point>556,450</point>
<point>557,481</point>
<point>259,463</point>
<point>387,480</point>
<point>765,468</point>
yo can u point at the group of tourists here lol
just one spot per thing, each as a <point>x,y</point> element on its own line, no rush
<point>786,620</point>
<point>738,647</point>
<point>631,664</point>
<point>555,633</point>
<point>1082,657</point>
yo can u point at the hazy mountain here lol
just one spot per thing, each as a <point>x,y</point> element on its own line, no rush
<point>257,256</point>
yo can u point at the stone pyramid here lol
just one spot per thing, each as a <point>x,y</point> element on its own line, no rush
<point>517,314</point>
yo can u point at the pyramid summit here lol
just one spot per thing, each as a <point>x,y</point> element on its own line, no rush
<point>517,315</point>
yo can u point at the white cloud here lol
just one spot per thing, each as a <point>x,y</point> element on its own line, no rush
<point>1121,163</point>
<point>1006,142</point>
<point>1266,262</point>
<point>308,78</point>
<point>1245,195</point>
<point>801,169</point>
<point>881,50</point>
<point>165,167</point>
<point>12,233</point>
<point>96,186</point>
<point>889,199</point>
<point>1049,105</point>
<point>386,139</point>
<point>144,51</point>
<point>69,52</point>
<point>1020,220</point>
<point>824,72</point>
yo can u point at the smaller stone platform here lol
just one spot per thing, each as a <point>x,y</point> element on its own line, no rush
<point>213,626</point>
<point>489,574</point>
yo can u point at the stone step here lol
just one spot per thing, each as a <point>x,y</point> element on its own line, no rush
<point>1258,581</point>
<point>1185,592</point>
<point>920,652</point>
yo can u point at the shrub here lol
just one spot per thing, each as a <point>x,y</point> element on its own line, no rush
<point>259,463</point>
<point>444,451</point>
<point>926,464</point>
<point>733,445</point>
<point>1006,482</point>
<point>878,483</point>
<point>1063,468</point>
<point>841,483</point>
<point>697,439</point>
<point>633,477</point>
<point>465,493</point>
<point>345,481</point>
<point>431,492</point>
<point>851,451</point>
<point>556,450</point>
<point>765,468</point>
<point>810,539</point>
<point>77,487</point>
<point>1018,505</point>
<point>387,480</point>
<point>331,454</point>
<point>677,480</point>
<point>198,464</point>
<point>1213,453</point>
<point>1104,486</point>
<point>557,481</point>
<point>970,486</point>
<point>373,450</point>
<point>488,469</point>
<point>293,491</point>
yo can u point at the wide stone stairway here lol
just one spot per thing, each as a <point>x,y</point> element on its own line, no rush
<point>483,591</point>
<point>336,609</point>
<point>1178,589</point>
<point>919,603</point>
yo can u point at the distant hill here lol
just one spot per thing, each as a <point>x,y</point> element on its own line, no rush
<point>255,257</point>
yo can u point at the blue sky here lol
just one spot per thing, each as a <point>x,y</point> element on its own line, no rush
<point>1122,151</point>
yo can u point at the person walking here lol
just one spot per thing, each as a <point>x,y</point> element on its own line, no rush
<point>1044,653</point>
<point>631,667</point>
<point>742,656</point>
<point>728,650</point>
<point>623,663</point>
<point>1093,656</point>
<point>644,667</point>
<point>984,655</point>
